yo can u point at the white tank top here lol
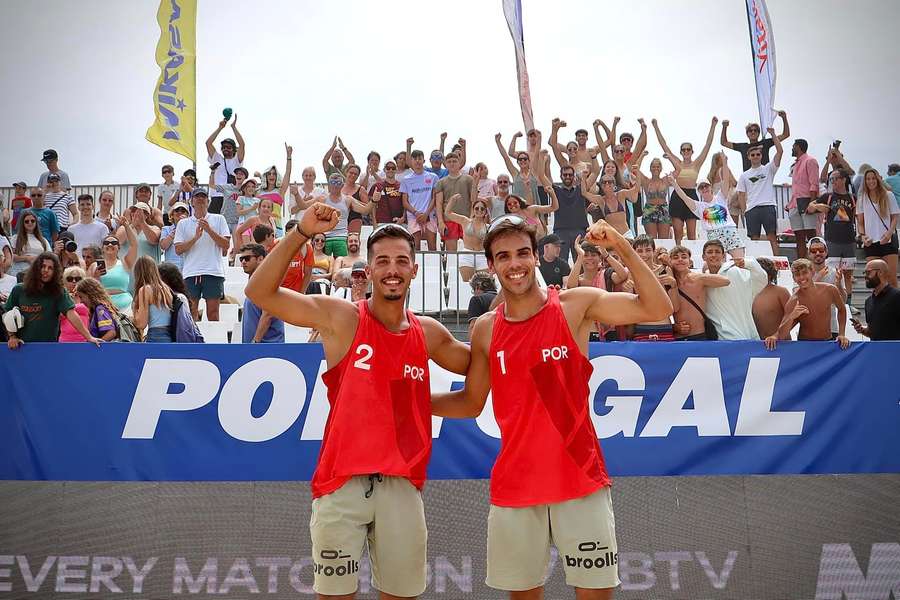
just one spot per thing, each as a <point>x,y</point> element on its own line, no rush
<point>339,205</point>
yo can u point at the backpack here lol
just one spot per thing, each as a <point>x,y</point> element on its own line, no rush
<point>182,327</point>
<point>128,332</point>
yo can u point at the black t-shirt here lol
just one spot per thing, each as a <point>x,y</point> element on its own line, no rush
<point>480,304</point>
<point>554,271</point>
<point>883,314</point>
<point>571,213</point>
<point>742,147</point>
<point>840,225</point>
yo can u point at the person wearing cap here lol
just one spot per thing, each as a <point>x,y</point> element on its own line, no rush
<point>201,240</point>
<point>553,268</point>
<point>416,191</point>
<point>140,216</point>
<point>167,189</point>
<point>62,247</point>
<point>336,239</point>
<point>144,193</point>
<point>753,132</point>
<point>87,231</point>
<point>437,164</point>
<point>333,161</point>
<point>19,202</point>
<point>57,199</point>
<point>231,157</point>
<point>257,326</point>
<point>51,159</point>
<point>359,281</point>
<point>177,212</point>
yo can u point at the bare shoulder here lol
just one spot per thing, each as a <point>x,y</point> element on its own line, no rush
<point>580,294</point>
<point>432,328</point>
<point>483,330</point>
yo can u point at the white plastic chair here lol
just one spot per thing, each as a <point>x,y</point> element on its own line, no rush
<point>214,332</point>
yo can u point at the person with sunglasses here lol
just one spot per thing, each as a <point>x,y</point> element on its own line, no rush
<point>377,442</point>
<point>68,333</point>
<point>115,273</point>
<point>304,195</point>
<point>839,206</point>
<point>47,220</point>
<point>473,228</point>
<point>523,173</point>
<point>417,193</point>
<point>28,242</point>
<point>549,484</point>
<point>611,202</point>
<point>231,158</point>
<point>753,132</point>
<point>687,172</point>
<point>387,197</point>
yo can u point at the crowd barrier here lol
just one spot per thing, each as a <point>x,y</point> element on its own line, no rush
<point>159,470</point>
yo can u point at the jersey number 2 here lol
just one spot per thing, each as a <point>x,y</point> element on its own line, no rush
<point>366,351</point>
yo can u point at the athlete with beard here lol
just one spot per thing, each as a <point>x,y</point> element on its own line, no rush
<point>549,484</point>
<point>371,469</point>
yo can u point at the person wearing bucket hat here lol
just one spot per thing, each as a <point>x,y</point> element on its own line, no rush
<point>51,159</point>
<point>223,164</point>
<point>141,218</point>
<point>19,202</point>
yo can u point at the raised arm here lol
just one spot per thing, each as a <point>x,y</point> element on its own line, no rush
<point>131,257</point>
<point>511,151</point>
<point>779,149</point>
<point>462,152</point>
<point>326,160</point>
<point>286,178</point>
<point>723,138</point>
<point>241,149</point>
<point>264,288</point>
<point>671,157</point>
<point>571,281</point>
<point>641,144</point>
<point>786,132</point>
<point>448,210</point>
<point>602,145</point>
<point>709,140</point>
<point>346,151</point>
<point>443,142</point>
<point>620,273</point>
<point>211,140</point>
<point>510,167</point>
<point>555,146</point>
<point>672,181</point>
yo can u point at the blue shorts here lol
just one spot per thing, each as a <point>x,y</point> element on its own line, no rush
<point>209,287</point>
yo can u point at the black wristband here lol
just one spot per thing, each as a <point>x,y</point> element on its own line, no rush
<point>303,233</point>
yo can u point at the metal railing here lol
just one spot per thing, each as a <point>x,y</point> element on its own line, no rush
<point>438,289</point>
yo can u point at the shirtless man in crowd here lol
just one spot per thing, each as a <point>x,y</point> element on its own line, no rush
<point>768,305</point>
<point>810,305</point>
<point>689,324</point>
<point>345,263</point>
<point>656,331</point>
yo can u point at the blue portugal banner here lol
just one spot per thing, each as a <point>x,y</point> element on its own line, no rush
<point>179,412</point>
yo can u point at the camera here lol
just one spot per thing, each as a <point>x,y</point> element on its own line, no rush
<point>71,246</point>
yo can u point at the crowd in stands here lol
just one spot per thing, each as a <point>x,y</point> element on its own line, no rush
<point>77,269</point>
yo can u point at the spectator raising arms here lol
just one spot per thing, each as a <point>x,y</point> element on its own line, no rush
<point>687,171</point>
<point>103,313</point>
<point>114,273</point>
<point>275,188</point>
<point>39,302</point>
<point>224,164</point>
<point>152,308</point>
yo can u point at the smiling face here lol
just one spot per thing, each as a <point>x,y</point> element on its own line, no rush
<point>309,176</point>
<point>872,182</point>
<point>266,206</point>
<point>802,277</point>
<point>646,252</point>
<point>514,262</point>
<point>655,167</point>
<point>353,243</point>
<point>581,138</point>
<point>591,261</point>
<point>512,205</point>
<point>680,262</point>
<point>753,132</point>
<point>572,150</point>
<point>110,247</point>
<point>818,253</point>
<point>391,268</point>
<point>713,256</point>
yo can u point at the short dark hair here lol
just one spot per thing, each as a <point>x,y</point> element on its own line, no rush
<point>256,249</point>
<point>242,170</point>
<point>371,154</point>
<point>717,243</point>
<point>290,224</point>
<point>417,154</point>
<point>484,281</point>
<point>769,267</point>
<point>679,249</point>
<point>843,175</point>
<point>508,226</point>
<point>261,232</point>
<point>755,147</point>
<point>590,248</point>
<point>94,251</point>
<point>643,240</point>
<point>85,197</point>
<point>584,131</point>
<point>171,276</point>
<point>451,155</point>
<point>565,168</point>
<point>893,169</point>
<point>804,145</point>
<point>389,230</point>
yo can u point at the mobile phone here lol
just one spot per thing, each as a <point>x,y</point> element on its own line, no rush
<point>214,166</point>
<point>101,266</point>
<point>836,144</point>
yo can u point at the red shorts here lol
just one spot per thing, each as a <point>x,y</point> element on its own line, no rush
<point>454,231</point>
<point>653,333</point>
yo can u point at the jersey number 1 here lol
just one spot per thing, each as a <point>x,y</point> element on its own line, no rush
<point>362,362</point>
<point>501,356</point>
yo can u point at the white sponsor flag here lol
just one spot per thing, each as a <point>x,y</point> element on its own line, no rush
<point>512,9</point>
<point>762,46</point>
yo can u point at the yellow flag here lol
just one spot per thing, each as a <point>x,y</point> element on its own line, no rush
<point>175,94</point>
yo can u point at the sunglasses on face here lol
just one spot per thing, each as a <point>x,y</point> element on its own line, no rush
<point>479,209</point>
<point>73,279</point>
<point>390,168</point>
<point>687,149</point>
<point>37,195</point>
<point>522,159</point>
<point>607,181</point>
<point>619,151</point>
<point>319,241</point>
<point>245,257</point>
<point>110,242</point>
<point>502,182</point>
<point>30,221</point>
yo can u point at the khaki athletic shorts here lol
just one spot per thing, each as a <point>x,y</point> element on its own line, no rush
<point>583,531</point>
<point>385,512</point>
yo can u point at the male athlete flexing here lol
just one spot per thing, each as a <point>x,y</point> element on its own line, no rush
<point>549,484</point>
<point>367,484</point>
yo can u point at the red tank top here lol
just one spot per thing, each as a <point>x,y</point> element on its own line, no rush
<point>380,415</point>
<point>549,450</point>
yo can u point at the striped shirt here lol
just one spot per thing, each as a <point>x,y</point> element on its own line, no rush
<point>59,203</point>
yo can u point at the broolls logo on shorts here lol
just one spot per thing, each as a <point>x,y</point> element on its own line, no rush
<point>330,570</point>
<point>605,557</point>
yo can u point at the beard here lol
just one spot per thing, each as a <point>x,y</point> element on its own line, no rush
<point>872,283</point>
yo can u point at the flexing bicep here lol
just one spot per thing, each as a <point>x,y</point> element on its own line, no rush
<point>444,349</point>
<point>713,280</point>
<point>314,311</point>
<point>612,308</point>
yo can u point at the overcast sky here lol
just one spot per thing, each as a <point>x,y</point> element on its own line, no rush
<point>79,76</point>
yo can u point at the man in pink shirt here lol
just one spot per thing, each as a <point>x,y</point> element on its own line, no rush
<point>804,189</point>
